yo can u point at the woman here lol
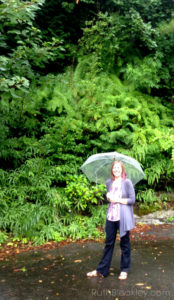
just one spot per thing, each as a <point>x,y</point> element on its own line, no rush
<point>121,195</point>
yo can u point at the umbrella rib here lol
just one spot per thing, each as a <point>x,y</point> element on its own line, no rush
<point>99,169</point>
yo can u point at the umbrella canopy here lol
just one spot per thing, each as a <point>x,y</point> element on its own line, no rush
<point>97,167</point>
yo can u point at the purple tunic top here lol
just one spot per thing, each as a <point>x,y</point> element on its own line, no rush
<point>126,210</point>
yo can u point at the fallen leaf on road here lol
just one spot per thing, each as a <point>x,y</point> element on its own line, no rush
<point>23,269</point>
<point>16,270</point>
<point>10,244</point>
<point>78,261</point>
<point>19,270</point>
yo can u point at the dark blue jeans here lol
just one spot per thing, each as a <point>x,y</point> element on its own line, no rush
<point>111,233</point>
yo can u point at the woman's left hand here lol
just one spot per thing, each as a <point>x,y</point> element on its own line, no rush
<point>119,200</point>
<point>115,200</point>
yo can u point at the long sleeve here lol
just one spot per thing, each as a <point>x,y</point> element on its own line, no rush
<point>108,184</point>
<point>130,192</point>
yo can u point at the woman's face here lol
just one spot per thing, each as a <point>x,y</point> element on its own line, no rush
<point>117,170</point>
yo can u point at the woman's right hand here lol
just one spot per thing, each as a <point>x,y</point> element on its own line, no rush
<point>108,196</point>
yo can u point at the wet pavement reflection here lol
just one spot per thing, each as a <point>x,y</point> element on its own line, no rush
<point>61,273</point>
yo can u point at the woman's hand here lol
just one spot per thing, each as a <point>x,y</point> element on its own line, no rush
<point>111,198</point>
<point>121,201</point>
<point>116,200</point>
<point>108,196</point>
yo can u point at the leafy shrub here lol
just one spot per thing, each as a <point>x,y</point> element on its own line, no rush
<point>98,214</point>
<point>82,227</point>
<point>82,194</point>
<point>148,200</point>
<point>55,232</point>
<point>3,237</point>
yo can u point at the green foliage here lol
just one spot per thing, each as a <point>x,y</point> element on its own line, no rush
<point>111,37</point>
<point>149,200</point>
<point>32,208</point>
<point>143,74</point>
<point>102,38</point>
<point>117,95</point>
<point>166,27</point>
<point>130,46</point>
<point>14,12</point>
<point>3,237</point>
<point>82,194</point>
<point>173,155</point>
<point>98,214</point>
<point>153,11</point>
<point>54,232</point>
<point>23,43</point>
<point>82,227</point>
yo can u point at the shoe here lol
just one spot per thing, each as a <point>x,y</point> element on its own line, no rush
<point>123,275</point>
<point>94,274</point>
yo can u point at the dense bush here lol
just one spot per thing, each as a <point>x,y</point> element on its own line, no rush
<point>45,197</point>
<point>118,97</point>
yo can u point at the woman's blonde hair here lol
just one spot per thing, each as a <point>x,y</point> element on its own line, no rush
<point>123,174</point>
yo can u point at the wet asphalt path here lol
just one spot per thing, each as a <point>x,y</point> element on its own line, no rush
<point>61,273</point>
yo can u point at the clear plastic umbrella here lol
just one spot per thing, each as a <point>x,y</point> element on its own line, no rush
<point>97,167</point>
